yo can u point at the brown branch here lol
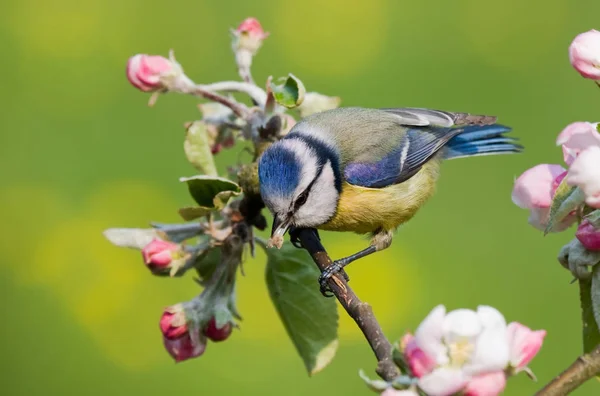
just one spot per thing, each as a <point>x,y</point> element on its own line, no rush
<point>584,368</point>
<point>360,311</point>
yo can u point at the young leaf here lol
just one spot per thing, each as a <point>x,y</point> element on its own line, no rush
<point>290,92</point>
<point>566,199</point>
<point>310,320</point>
<point>206,190</point>
<point>189,213</point>
<point>197,146</point>
<point>134,238</point>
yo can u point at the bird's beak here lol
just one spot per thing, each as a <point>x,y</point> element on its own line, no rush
<point>279,228</point>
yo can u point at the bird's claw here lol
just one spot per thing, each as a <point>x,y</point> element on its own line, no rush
<point>335,268</point>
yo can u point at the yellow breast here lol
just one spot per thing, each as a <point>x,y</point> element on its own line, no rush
<point>364,210</point>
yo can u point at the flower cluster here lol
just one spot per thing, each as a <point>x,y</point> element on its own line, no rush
<point>537,189</point>
<point>468,351</point>
<point>185,342</point>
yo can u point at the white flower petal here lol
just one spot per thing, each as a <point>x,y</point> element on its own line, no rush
<point>491,352</point>
<point>585,173</point>
<point>461,324</point>
<point>490,317</point>
<point>443,381</point>
<point>428,335</point>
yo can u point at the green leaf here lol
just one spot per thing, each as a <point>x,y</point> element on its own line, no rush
<point>589,297</point>
<point>178,232</point>
<point>211,191</point>
<point>566,199</point>
<point>290,92</point>
<point>310,319</point>
<point>189,213</point>
<point>197,146</point>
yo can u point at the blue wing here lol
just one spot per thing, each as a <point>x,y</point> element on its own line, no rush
<point>420,144</point>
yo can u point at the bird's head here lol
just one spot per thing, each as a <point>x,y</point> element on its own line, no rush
<point>299,182</point>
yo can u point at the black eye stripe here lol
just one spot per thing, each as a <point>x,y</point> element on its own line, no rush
<point>301,200</point>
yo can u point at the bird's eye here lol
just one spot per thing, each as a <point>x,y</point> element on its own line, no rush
<point>301,199</point>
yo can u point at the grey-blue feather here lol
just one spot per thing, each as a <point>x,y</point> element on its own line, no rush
<point>381,147</point>
<point>420,144</point>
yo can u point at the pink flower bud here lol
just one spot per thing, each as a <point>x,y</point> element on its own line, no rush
<point>419,362</point>
<point>173,322</point>
<point>249,36</point>
<point>183,348</point>
<point>576,137</point>
<point>588,235</point>
<point>534,190</point>
<point>252,27</point>
<point>585,173</point>
<point>524,344</point>
<point>215,334</point>
<point>490,384</point>
<point>144,71</point>
<point>159,254</point>
<point>584,54</point>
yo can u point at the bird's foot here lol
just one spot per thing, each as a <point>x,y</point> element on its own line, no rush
<point>335,268</point>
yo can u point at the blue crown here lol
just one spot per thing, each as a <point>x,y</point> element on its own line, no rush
<point>278,172</point>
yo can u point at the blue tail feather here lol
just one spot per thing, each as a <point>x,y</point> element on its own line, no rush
<point>481,140</point>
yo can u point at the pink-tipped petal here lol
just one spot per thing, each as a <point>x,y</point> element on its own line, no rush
<point>144,71</point>
<point>133,64</point>
<point>443,381</point>
<point>490,384</point>
<point>534,190</point>
<point>151,68</point>
<point>158,254</point>
<point>419,362</point>
<point>428,335</point>
<point>585,173</point>
<point>524,344</point>
<point>576,137</point>
<point>252,27</point>
<point>584,54</point>
<point>173,322</point>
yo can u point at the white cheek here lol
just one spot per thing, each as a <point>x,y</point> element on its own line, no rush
<point>322,201</point>
<point>305,156</point>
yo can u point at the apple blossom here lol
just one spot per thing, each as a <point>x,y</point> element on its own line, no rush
<point>584,54</point>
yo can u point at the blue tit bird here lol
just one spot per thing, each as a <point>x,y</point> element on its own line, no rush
<point>367,171</point>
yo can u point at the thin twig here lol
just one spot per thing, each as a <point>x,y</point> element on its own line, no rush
<point>254,92</point>
<point>360,311</point>
<point>584,368</point>
<point>239,109</point>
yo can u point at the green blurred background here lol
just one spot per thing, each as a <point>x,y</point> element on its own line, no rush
<point>81,152</point>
